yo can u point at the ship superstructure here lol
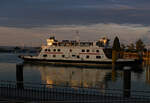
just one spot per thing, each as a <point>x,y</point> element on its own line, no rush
<point>73,50</point>
<point>75,53</point>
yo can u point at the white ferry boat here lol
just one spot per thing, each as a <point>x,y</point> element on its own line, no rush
<point>76,53</point>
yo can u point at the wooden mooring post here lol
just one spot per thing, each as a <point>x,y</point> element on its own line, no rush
<point>115,51</point>
<point>148,58</point>
<point>126,81</point>
<point>19,76</point>
<point>114,57</point>
<point>113,74</point>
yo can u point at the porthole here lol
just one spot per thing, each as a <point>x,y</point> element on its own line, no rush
<point>87,50</point>
<point>73,55</point>
<point>97,50</point>
<point>54,50</point>
<point>83,50</point>
<point>58,50</point>
<point>45,55</point>
<point>87,56</point>
<point>98,57</point>
<point>54,56</point>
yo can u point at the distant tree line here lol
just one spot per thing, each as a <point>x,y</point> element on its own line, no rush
<point>137,47</point>
<point>18,49</point>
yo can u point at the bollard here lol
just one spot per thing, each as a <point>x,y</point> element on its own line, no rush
<point>19,76</point>
<point>148,75</point>
<point>127,82</point>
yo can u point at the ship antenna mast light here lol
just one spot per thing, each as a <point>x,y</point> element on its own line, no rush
<point>51,40</point>
<point>77,36</point>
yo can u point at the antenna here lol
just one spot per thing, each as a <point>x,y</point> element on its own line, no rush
<point>23,45</point>
<point>77,36</point>
<point>53,34</point>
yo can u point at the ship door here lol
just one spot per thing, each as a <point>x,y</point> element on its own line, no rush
<point>68,53</point>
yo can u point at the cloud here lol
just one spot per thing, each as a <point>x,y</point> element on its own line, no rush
<point>33,13</point>
<point>36,36</point>
<point>30,21</point>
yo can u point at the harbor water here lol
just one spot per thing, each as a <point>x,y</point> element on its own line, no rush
<point>101,78</point>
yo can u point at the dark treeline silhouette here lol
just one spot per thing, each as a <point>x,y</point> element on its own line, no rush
<point>18,49</point>
<point>138,46</point>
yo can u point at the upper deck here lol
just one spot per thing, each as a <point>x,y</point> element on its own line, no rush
<point>100,43</point>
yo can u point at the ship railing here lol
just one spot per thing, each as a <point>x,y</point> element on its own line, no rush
<point>70,43</point>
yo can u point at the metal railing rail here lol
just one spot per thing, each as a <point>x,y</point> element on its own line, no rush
<point>48,92</point>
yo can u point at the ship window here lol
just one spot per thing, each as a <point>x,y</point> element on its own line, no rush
<point>45,49</point>
<point>45,55</point>
<point>49,50</point>
<point>98,57</point>
<point>83,50</point>
<point>54,50</point>
<point>58,50</point>
<point>73,55</point>
<point>63,56</point>
<point>54,56</point>
<point>87,50</point>
<point>97,50</point>
<point>87,56</point>
<point>78,56</point>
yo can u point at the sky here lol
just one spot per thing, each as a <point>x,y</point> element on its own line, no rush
<point>31,22</point>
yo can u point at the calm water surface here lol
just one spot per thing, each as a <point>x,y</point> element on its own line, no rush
<point>72,76</point>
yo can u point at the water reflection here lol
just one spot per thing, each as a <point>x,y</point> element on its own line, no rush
<point>19,76</point>
<point>73,77</point>
<point>84,77</point>
<point>113,73</point>
<point>126,81</point>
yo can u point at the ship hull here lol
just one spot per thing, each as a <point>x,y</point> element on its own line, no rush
<point>80,63</point>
